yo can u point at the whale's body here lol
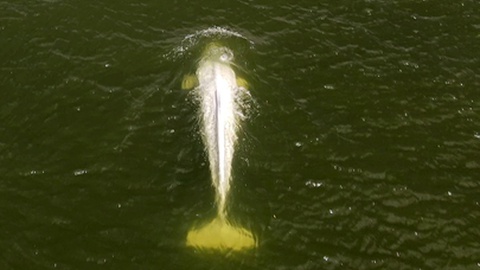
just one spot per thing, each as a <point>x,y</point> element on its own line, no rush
<point>218,89</point>
<point>217,93</point>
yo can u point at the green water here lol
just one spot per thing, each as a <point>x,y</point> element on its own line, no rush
<point>361,149</point>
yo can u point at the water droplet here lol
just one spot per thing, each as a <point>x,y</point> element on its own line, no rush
<point>34,172</point>
<point>80,172</point>
<point>312,183</point>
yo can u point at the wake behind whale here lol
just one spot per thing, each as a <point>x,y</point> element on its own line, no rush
<point>218,89</point>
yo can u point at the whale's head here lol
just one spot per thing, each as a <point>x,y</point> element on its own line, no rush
<point>216,52</point>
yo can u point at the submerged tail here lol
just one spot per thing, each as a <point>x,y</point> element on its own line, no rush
<point>219,234</point>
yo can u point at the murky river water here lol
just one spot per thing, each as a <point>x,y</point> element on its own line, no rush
<point>361,149</point>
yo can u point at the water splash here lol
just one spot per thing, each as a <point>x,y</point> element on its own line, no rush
<point>191,41</point>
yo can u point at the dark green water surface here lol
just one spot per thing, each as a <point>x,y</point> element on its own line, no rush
<point>361,149</point>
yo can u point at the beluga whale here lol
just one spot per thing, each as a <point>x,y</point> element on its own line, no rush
<point>218,91</point>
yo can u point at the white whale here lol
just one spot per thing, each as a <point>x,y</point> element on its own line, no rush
<point>218,90</point>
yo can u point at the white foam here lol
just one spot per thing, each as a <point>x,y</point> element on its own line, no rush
<point>192,40</point>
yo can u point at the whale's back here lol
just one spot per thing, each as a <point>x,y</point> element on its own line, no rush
<point>217,90</point>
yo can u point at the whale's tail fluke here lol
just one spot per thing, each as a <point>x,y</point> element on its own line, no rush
<point>219,234</point>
